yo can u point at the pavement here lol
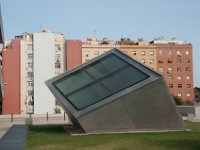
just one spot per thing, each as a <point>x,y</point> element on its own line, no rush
<point>13,137</point>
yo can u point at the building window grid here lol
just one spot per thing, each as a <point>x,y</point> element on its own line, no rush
<point>178,69</point>
<point>179,86</point>
<point>142,53</point>
<point>151,61</point>
<point>143,61</point>
<point>187,77</point>
<point>96,53</point>
<point>179,94</point>
<point>187,69</point>
<point>134,53</point>
<point>170,52</point>
<point>160,70</point>
<point>187,52</point>
<point>188,94</point>
<point>170,86</point>
<point>151,53</point>
<point>160,52</point>
<point>179,77</point>
<point>170,77</point>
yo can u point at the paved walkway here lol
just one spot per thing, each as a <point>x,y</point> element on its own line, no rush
<point>15,138</point>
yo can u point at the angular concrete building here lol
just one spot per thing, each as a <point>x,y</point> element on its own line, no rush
<point>115,93</point>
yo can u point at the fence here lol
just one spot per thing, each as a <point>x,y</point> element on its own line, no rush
<point>35,119</point>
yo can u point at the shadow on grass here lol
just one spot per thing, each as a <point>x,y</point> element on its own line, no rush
<point>187,144</point>
<point>48,128</point>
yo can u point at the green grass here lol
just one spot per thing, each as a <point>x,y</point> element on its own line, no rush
<point>53,137</point>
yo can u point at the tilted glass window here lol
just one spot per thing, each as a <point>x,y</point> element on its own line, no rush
<point>99,80</point>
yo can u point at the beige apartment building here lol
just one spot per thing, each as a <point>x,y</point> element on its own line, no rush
<point>142,51</point>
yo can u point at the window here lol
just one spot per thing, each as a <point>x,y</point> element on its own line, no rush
<point>179,69</point>
<point>170,86</point>
<point>96,53</point>
<point>30,46</point>
<point>30,92</point>
<point>57,47</point>
<point>57,65</point>
<point>160,69</point>
<point>179,77</point>
<point>57,57</point>
<point>187,77</point>
<point>125,52</point>
<point>187,52</point>
<point>30,84</point>
<point>169,61</point>
<point>30,56</point>
<point>160,61</point>
<point>30,65</point>
<point>151,53</point>
<point>151,61</point>
<point>143,61</point>
<point>179,86</point>
<point>169,52</point>
<point>98,81</point>
<point>170,77</point>
<point>178,60</point>
<point>188,94</point>
<point>160,52</point>
<point>187,60</point>
<point>86,53</point>
<point>142,52</point>
<point>188,85</point>
<point>179,94</point>
<point>178,52</point>
<point>133,52</point>
<point>169,69</point>
<point>30,74</point>
<point>188,69</point>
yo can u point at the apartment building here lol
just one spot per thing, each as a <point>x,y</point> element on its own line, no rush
<point>28,61</point>
<point>175,64</point>
<point>172,59</point>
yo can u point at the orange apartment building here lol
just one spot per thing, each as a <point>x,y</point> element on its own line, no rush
<point>172,59</point>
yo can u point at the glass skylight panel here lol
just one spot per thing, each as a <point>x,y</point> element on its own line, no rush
<point>88,96</point>
<point>105,66</point>
<point>123,79</point>
<point>98,80</point>
<point>73,82</point>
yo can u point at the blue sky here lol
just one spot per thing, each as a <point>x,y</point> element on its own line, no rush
<point>78,19</point>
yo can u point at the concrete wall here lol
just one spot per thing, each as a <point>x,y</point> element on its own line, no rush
<point>141,110</point>
<point>44,69</point>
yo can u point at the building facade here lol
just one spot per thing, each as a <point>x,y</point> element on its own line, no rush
<point>172,59</point>
<point>28,61</point>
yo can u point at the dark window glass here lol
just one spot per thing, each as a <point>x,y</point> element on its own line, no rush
<point>88,96</point>
<point>98,81</point>
<point>123,79</point>
<point>74,82</point>
<point>105,66</point>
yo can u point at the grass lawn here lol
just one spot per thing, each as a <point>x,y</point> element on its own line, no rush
<point>53,137</point>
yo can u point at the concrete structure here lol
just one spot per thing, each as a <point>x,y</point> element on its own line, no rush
<point>28,61</point>
<point>115,93</point>
<point>179,78</point>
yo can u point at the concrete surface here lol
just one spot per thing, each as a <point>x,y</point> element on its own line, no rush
<point>15,138</point>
